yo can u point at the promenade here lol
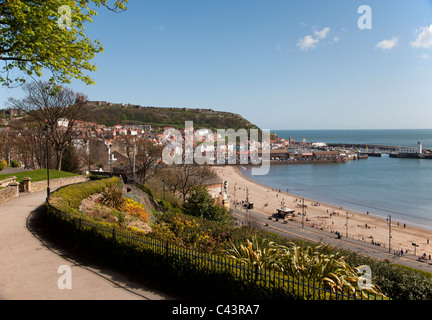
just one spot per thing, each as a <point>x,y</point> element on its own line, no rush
<point>29,265</point>
<point>294,230</point>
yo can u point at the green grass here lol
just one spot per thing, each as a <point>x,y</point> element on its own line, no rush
<point>38,175</point>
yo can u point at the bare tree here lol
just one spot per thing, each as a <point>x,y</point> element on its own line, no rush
<point>182,178</point>
<point>148,159</point>
<point>54,107</point>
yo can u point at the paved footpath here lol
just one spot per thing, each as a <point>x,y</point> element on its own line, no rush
<point>29,267</point>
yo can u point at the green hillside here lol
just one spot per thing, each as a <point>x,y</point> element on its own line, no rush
<point>174,117</point>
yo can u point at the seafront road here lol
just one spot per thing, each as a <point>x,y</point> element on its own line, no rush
<point>29,266</point>
<point>294,230</point>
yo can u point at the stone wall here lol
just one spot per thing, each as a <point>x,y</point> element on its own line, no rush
<point>57,183</point>
<point>13,191</point>
<point>9,193</point>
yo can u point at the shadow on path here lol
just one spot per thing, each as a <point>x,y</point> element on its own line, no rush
<point>143,288</point>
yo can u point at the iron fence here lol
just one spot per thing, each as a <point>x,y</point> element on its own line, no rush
<point>269,280</point>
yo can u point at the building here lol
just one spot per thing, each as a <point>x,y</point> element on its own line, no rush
<point>218,189</point>
<point>326,155</point>
<point>278,154</point>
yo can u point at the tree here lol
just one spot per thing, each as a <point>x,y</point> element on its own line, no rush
<point>182,178</point>
<point>201,204</point>
<point>148,159</point>
<point>57,109</point>
<point>48,34</point>
<point>70,161</point>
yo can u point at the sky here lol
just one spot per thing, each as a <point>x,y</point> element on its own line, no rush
<point>281,64</point>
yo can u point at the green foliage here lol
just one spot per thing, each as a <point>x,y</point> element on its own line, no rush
<point>307,262</point>
<point>14,164</point>
<point>113,197</point>
<point>175,117</point>
<point>398,282</point>
<point>2,165</point>
<point>263,254</point>
<point>201,204</point>
<point>39,175</point>
<point>69,199</point>
<point>70,161</point>
<point>41,34</point>
<point>146,189</point>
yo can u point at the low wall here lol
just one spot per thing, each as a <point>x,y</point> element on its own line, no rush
<point>9,193</point>
<point>57,183</point>
<point>13,191</point>
<point>6,182</point>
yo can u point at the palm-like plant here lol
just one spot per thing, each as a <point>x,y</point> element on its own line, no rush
<point>329,269</point>
<point>262,254</point>
<point>315,263</point>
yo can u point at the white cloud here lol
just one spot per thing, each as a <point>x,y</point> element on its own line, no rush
<point>336,39</point>
<point>424,39</point>
<point>309,42</point>
<point>387,44</point>
<point>323,33</point>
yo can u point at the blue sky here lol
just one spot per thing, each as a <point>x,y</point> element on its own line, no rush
<point>282,64</point>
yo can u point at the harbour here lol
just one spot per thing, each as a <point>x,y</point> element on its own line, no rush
<point>383,183</point>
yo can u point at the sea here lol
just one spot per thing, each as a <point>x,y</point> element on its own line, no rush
<point>383,187</point>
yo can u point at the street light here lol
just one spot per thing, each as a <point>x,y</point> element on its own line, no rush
<point>134,163</point>
<point>47,131</point>
<point>303,213</point>
<point>110,158</point>
<point>389,224</point>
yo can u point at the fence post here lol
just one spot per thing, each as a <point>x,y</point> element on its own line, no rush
<point>166,249</point>
<point>113,233</point>
<point>256,273</point>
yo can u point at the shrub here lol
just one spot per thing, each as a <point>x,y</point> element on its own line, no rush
<point>69,199</point>
<point>14,164</point>
<point>2,165</point>
<point>113,197</point>
<point>201,204</point>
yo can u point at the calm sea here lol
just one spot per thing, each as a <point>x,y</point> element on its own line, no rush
<point>383,186</point>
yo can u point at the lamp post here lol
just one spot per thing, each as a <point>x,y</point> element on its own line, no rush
<point>347,218</point>
<point>134,164</point>
<point>389,224</point>
<point>303,213</point>
<point>47,131</point>
<point>110,158</point>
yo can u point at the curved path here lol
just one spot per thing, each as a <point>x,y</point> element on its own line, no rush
<point>29,266</point>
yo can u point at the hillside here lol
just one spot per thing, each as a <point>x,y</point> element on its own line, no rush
<point>174,117</point>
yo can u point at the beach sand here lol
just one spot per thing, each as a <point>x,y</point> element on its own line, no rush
<point>361,226</point>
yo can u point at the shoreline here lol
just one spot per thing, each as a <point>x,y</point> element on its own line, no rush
<point>328,217</point>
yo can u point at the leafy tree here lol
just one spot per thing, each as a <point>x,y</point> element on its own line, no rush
<point>70,161</point>
<point>201,204</point>
<point>48,34</point>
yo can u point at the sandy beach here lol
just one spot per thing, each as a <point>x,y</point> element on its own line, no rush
<point>327,217</point>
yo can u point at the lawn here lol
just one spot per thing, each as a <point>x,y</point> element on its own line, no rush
<point>38,175</point>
